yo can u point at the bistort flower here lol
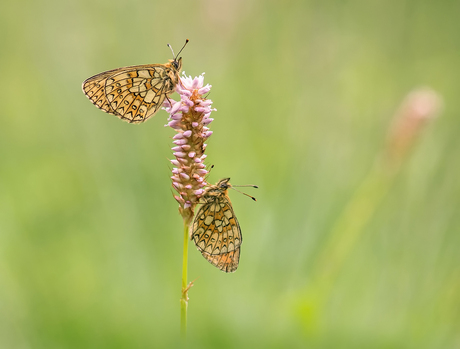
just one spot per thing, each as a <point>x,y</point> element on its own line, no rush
<point>190,118</point>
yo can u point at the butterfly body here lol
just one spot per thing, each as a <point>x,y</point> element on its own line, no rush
<point>215,230</point>
<point>133,93</point>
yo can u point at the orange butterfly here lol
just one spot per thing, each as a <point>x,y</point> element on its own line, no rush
<point>134,93</point>
<point>215,230</point>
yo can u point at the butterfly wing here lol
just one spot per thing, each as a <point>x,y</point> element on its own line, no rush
<point>217,234</point>
<point>132,93</point>
<point>227,262</point>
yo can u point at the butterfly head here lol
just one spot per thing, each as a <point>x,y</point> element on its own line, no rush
<point>224,184</point>
<point>176,64</point>
<point>217,190</point>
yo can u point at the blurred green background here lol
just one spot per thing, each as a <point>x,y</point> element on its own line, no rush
<point>90,236</point>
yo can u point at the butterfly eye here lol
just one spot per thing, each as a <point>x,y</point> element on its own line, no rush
<point>175,64</point>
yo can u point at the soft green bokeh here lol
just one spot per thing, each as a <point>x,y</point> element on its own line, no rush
<point>90,236</point>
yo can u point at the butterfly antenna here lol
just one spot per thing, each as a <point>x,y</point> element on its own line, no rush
<point>174,56</point>
<point>252,197</point>
<point>246,185</point>
<point>209,172</point>
<point>186,42</point>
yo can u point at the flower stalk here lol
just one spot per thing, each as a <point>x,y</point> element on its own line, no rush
<point>184,296</point>
<point>190,118</point>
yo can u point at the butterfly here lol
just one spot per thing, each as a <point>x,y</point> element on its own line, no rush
<point>134,93</point>
<point>215,229</point>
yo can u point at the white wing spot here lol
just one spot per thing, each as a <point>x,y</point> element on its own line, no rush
<point>149,97</point>
<point>144,74</point>
<point>208,220</point>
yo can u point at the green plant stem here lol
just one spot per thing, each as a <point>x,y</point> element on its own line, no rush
<point>184,297</point>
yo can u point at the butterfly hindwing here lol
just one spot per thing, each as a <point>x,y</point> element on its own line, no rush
<point>216,232</point>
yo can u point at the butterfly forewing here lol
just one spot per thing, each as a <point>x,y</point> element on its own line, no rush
<point>216,231</point>
<point>133,93</point>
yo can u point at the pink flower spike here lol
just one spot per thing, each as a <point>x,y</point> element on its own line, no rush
<point>180,141</point>
<point>198,192</point>
<point>189,118</point>
<point>186,81</point>
<point>189,103</point>
<point>184,92</point>
<point>205,102</point>
<point>185,109</point>
<point>204,90</point>
<point>177,185</point>
<point>173,123</point>
<point>196,83</point>
<point>166,103</point>
<point>175,108</point>
<point>179,199</point>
